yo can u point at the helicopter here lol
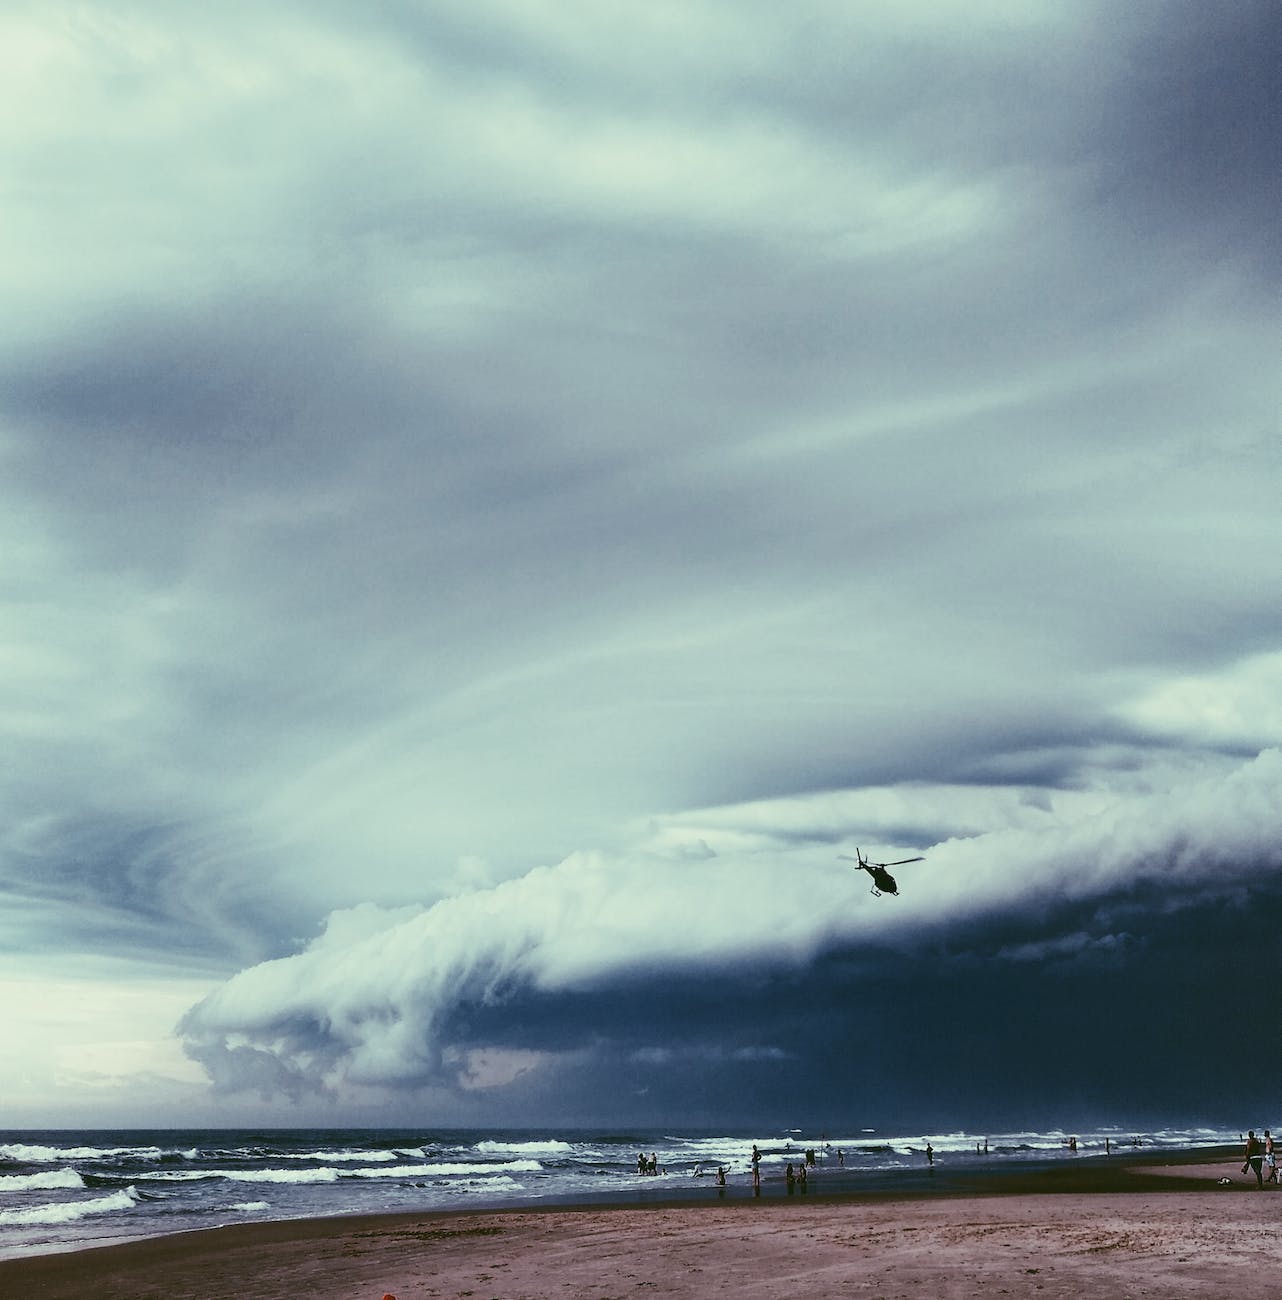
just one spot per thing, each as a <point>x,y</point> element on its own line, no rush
<point>882,881</point>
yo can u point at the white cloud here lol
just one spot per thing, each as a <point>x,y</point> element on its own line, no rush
<point>1240,705</point>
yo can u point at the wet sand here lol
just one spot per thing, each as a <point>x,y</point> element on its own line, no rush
<point>1123,1227</point>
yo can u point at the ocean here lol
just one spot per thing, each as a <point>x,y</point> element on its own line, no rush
<point>64,1189</point>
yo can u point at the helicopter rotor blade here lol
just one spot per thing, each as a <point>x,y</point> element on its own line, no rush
<point>900,863</point>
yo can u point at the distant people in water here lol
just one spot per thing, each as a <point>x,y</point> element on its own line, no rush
<point>1254,1157</point>
<point>930,1154</point>
<point>790,1177</point>
<point>802,1176</point>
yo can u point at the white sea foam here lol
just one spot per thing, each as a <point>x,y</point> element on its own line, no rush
<point>35,1182</point>
<point>323,1175</point>
<point>70,1211</point>
<point>340,1157</point>
<point>548,1148</point>
<point>395,1171</point>
<point>491,1184</point>
<point>53,1155</point>
<point>328,1174</point>
<point>43,1155</point>
<point>444,1168</point>
<point>249,1207</point>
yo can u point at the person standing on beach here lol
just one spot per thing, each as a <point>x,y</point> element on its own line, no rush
<point>1270,1160</point>
<point>1254,1157</point>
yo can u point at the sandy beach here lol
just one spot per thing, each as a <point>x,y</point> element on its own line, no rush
<point>1163,1228</point>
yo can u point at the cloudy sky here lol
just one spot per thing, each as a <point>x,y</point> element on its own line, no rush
<point>496,496</point>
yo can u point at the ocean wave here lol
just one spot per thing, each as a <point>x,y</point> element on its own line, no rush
<point>69,1211</point>
<point>328,1174</point>
<point>550,1147</point>
<point>34,1182</point>
<point>441,1168</point>
<point>251,1207</point>
<point>447,1170</point>
<point>338,1157</point>
<point>165,1176</point>
<point>501,1183</point>
<point>46,1155</point>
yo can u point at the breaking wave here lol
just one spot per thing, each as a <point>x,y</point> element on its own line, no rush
<point>39,1182</point>
<point>551,1147</point>
<point>70,1211</point>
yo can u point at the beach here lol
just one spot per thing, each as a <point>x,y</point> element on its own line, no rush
<point>1144,1227</point>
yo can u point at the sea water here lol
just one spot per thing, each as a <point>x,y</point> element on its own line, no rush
<point>64,1189</point>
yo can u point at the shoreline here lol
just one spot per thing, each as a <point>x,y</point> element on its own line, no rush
<point>1162,1214</point>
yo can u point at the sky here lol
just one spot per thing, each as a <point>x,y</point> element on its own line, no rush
<point>498,496</point>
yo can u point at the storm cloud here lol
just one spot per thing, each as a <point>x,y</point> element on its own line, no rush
<point>496,498</point>
<point>675,947</point>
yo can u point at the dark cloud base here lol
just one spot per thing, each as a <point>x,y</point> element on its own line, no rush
<point>1164,1021</point>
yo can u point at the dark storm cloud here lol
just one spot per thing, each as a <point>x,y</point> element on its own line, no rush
<point>1095,1027</point>
<point>1096,1021</point>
